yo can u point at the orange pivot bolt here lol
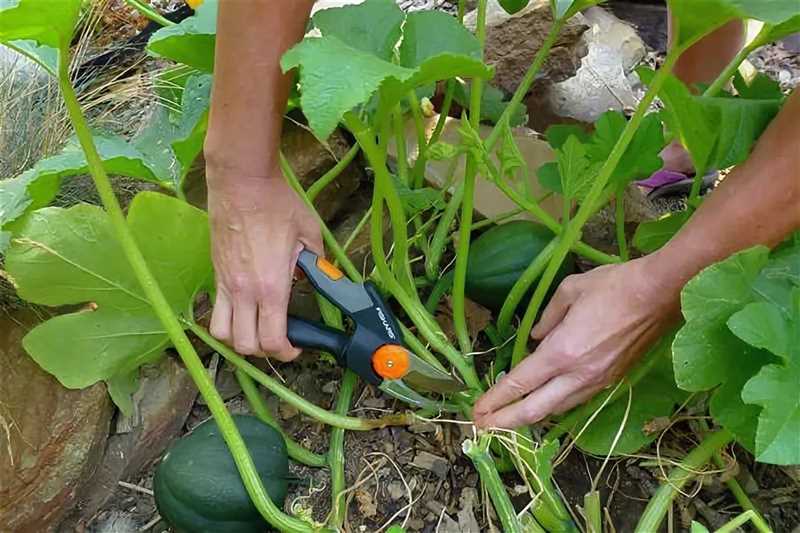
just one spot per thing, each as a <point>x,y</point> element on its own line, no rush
<point>329,269</point>
<point>390,361</point>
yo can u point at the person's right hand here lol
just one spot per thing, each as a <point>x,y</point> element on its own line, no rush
<point>258,228</point>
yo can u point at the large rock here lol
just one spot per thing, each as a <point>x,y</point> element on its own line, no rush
<point>606,78</point>
<point>309,159</point>
<point>161,405</point>
<point>513,40</point>
<point>51,438</point>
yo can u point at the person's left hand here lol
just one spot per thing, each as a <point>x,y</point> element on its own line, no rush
<point>595,327</point>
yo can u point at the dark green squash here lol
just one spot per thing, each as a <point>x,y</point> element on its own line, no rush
<point>500,255</point>
<point>197,486</point>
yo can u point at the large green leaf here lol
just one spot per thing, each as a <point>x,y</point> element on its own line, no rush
<point>718,132</point>
<point>191,42</point>
<point>653,397</point>
<point>71,256</point>
<point>705,352</point>
<point>776,388</point>
<point>335,78</point>
<point>40,29</point>
<point>372,27</point>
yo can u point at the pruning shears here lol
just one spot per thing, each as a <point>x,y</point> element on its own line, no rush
<point>374,350</point>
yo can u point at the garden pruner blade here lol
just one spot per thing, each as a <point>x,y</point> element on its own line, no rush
<point>374,351</point>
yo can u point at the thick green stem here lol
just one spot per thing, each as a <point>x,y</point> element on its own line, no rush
<point>521,287</point>
<point>659,505</point>
<point>571,233</point>
<point>290,397</point>
<point>592,511</point>
<point>399,131</point>
<point>259,408</point>
<point>149,12</point>
<point>336,451</point>
<point>467,203</point>
<point>414,309</point>
<point>436,249</point>
<point>490,478</point>
<point>162,309</point>
<point>619,223</point>
<point>526,83</point>
<point>383,180</point>
<point>335,171</point>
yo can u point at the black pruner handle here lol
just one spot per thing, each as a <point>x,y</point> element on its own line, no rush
<point>312,335</point>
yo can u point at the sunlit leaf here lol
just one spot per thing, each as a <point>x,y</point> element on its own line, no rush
<point>372,26</point>
<point>335,78</point>
<point>71,256</point>
<point>775,389</point>
<point>705,352</point>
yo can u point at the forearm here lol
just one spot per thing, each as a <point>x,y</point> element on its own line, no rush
<point>250,91</point>
<point>757,203</point>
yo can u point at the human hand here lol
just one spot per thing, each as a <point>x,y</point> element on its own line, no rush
<point>258,228</point>
<point>595,327</point>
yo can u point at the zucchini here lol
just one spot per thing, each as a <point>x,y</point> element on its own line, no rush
<point>500,255</point>
<point>197,487</point>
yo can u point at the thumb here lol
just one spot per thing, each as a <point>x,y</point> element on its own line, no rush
<point>565,296</point>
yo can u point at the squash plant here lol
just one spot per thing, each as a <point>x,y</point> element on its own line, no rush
<point>367,69</point>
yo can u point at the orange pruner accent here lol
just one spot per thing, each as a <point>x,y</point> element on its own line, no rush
<point>391,361</point>
<point>329,269</point>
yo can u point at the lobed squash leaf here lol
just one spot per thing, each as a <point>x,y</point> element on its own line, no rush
<point>718,132</point>
<point>740,338</point>
<point>373,27</point>
<point>72,256</point>
<point>653,397</point>
<point>639,160</point>
<point>339,72</point>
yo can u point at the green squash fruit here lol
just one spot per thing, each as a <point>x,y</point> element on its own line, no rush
<point>197,487</point>
<point>498,258</point>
